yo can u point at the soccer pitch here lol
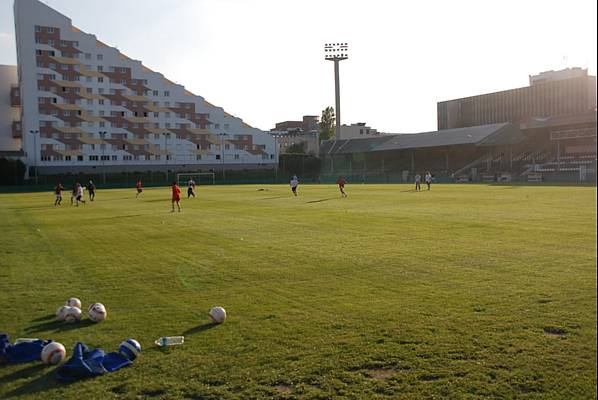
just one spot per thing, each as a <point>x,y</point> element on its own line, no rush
<point>465,291</point>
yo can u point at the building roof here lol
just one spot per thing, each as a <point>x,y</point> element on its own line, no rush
<point>484,135</point>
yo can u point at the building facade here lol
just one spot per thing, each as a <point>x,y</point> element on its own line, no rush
<point>86,104</point>
<point>291,133</point>
<point>358,130</point>
<point>550,94</point>
<point>10,129</point>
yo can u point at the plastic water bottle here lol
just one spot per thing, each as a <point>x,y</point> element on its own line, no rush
<point>170,341</point>
<point>25,340</point>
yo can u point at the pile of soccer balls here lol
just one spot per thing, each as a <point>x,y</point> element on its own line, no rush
<point>70,312</point>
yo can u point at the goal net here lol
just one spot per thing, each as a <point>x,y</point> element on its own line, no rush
<point>200,178</point>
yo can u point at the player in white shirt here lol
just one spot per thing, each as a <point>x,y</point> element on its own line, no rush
<point>79,196</point>
<point>190,188</point>
<point>294,184</point>
<point>428,179</point>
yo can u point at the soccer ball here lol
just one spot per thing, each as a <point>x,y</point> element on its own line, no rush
<point>73,302</point>
<point>60,312</point>
<point>53,353</point>
<point>217,314</point>
<point>72,314</point>
<point>97,312</point>
<point>130,349</point>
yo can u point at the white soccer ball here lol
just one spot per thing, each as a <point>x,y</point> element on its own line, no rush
<point>72,315</point>
<point>60,312</point>
<point>53,353</point>
<point>217,314</point>
<point>130,348</point>
<point>73,302</point>
<point>97,312</point>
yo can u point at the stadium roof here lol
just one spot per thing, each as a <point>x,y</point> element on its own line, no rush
<point>483,135</point>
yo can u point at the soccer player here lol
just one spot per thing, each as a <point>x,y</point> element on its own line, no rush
<point>190,188</point>
<point>73,193</point>
<point>428,179</point>
<point>91,189</point>
<point>294,184</point>
<point>418,179</point>
<point>58,192</point>
<point>341,185</point>
<point>138,187</point>
<point>176,196</point>
<point>79,197</point>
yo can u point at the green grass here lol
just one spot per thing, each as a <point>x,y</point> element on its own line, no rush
<point>466,291</point>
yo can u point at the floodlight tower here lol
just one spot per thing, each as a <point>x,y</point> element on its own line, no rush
<point>336,52</point>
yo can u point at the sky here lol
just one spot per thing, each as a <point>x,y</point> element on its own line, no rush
<point>263,60</point>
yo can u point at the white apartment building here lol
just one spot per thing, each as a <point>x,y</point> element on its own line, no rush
<point>86,104</point>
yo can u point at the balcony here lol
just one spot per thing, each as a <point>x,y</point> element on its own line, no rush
<point>15,96</point>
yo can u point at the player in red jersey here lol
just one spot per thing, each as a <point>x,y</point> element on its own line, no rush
<point>341,185</point>
<point>58,192</point>
<point>176,196</point>
<point>138,187</point>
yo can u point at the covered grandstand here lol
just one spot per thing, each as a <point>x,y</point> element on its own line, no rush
<point>496,152</point>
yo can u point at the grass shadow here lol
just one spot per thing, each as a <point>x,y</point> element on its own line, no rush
<point>58,326</point>
<point>25,372</point>
<point>200,328</point>
<point>45,318</point>
<point>35,386</point>
<point>321,200</point>
<point>271,198</point>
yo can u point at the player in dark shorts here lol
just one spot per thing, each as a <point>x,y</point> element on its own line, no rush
<point>190,188</point>
<point>91,189</point>
<point>73,193</point>
<point>58,192</point>
<point>341,185</point>
<point>139,188</point>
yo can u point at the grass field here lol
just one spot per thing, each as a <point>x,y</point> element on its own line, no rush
<point>466,291</point>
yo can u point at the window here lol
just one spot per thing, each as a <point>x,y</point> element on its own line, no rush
<point>217,156</point>
<point>166,93</point>
<point>236,156</point>
<point>38,28</point>
<point>100,57</point>
<point>155,92</point>
<point>100,79</point>
<point>67,158</point>
<point>93,158</point>
<point>50,29</point>
<point>79,158</point>
<point>105,158</point>
<point>100,68</point>
<point>114,158</point>
<point>89,102</point>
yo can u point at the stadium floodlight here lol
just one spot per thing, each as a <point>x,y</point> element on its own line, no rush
<point>103,147</point>
<point>222,136</point>
<point>336,52</point>
<point>166,136</point>
<point>35,133</point>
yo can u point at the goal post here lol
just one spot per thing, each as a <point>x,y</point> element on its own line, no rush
<point>200,178</point>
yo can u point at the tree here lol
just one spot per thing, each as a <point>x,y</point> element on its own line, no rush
<point>297,148</point>
<point>327,124</point>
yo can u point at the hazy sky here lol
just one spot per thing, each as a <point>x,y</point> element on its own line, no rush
<point>263,60</point>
